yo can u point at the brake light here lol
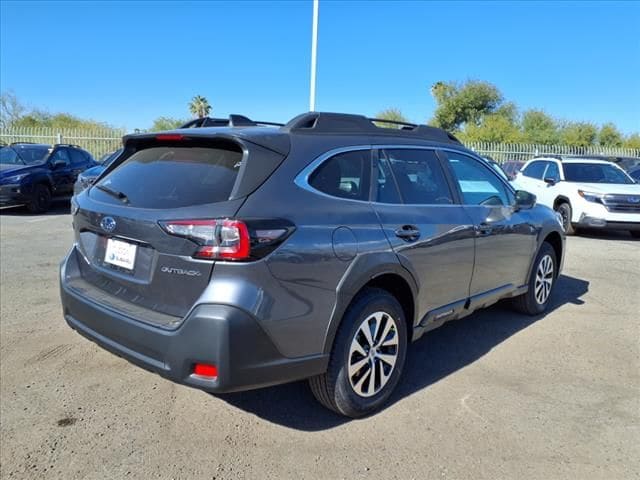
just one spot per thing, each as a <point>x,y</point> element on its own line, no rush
<point>217,239</point>
<point>169,137</point>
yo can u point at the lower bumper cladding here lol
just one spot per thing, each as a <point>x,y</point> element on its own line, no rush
<point>219,336</point>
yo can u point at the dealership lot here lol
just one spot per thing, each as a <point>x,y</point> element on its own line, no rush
<point>496,395</point>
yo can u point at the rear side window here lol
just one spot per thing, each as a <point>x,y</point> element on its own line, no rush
<point>387,191</point>
<point>535,169</point>
<point>175,176</point>
<point>345,175</point>
<point>419,176</point>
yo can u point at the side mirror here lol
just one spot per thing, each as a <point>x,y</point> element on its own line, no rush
<point>524,200</point>
<point>57,164</point>
<point>550,181</point>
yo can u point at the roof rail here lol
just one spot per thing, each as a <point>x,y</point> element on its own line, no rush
<point>67,145</point>
<point>22,143</point>
<point>325,122</point>
<point>549,155</point>
<point>234,120</point>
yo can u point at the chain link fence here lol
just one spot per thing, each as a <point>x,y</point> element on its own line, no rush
<point>99,142</point>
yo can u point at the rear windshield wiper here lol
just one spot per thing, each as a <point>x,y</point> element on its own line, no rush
<point>114,193</point>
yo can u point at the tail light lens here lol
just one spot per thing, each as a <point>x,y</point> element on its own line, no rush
<point>217,239</point>
<point>228,239</point>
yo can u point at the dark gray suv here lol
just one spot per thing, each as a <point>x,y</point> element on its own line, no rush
<point>231,258</point>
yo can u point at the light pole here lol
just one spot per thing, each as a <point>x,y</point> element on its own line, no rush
<point>314,52</point>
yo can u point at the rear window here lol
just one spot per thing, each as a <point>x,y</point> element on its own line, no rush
<point>174,177</point>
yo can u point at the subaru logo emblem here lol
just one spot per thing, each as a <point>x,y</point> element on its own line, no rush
<point>108,224</point>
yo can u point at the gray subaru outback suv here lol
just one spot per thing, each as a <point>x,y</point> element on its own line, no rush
<point>231,258</point>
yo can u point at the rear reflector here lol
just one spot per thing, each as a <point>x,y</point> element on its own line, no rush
<point>205,370</point>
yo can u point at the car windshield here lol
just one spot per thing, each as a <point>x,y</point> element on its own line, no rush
<point>595,173</point>
<point>8,156</point>
<point>27,154</point>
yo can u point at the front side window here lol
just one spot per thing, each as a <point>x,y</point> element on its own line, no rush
<point>61,155</point>
<point>535,170</point>
<point>419,176</point>
<point>552,172</point>
<point>478,184</point>
<point>345,175</point>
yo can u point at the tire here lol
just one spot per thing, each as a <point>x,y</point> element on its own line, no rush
<point>353,395</point>
<point>564,209</point>
<point>530,303</point>
<point>635,233</point>
<point>41,200</point>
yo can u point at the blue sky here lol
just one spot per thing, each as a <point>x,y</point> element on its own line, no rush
<point>127,63</point>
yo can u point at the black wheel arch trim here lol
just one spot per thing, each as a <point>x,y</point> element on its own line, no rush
<point>363,270</point>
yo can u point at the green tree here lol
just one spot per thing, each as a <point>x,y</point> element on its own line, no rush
<point>61,121</point>
<point>493,128</point>
<point>199,106</point>
<point>632,141</point>
<point>609,135</point>
<point>166,123</point>
<point>461,104</point>
<point>538,127</point>
<point>392,114</point>
<point>578,134</point>
<point>10,108</point>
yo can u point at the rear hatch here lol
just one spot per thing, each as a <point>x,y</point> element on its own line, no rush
<point>140,230</point>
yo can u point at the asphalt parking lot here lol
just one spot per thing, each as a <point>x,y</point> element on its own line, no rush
<point>496,395</point>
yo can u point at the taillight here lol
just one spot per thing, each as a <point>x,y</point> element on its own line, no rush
<point>217,239</point>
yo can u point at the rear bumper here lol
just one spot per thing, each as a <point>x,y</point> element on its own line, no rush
<point>221,335</point>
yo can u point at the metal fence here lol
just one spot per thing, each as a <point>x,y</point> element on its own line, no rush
<point>502,152</point>
<point>99,142</point>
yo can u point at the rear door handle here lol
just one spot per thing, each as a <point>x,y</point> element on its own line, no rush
<point>408,233</point>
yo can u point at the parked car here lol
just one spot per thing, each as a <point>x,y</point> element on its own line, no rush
<point>496,166</point>
<point>626,163</point>
<point>586,192</point>
<point>511,168</point>
<point>86,178</point>
<point>255,256</point>
<point>32,174</point>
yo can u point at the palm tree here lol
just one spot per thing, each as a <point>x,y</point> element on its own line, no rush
<point>199,106</point>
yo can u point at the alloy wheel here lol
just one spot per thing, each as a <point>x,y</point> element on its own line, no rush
<point>373,354</point>
<point>544,279</point>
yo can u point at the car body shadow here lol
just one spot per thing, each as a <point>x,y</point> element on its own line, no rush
<point>59,206</point>
<point>438,354</point>
<point>596,234</point>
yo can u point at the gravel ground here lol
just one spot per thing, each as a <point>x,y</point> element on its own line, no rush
<point>496,395</point>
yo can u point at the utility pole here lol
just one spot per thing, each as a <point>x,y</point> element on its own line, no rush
<point>314,53</point>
